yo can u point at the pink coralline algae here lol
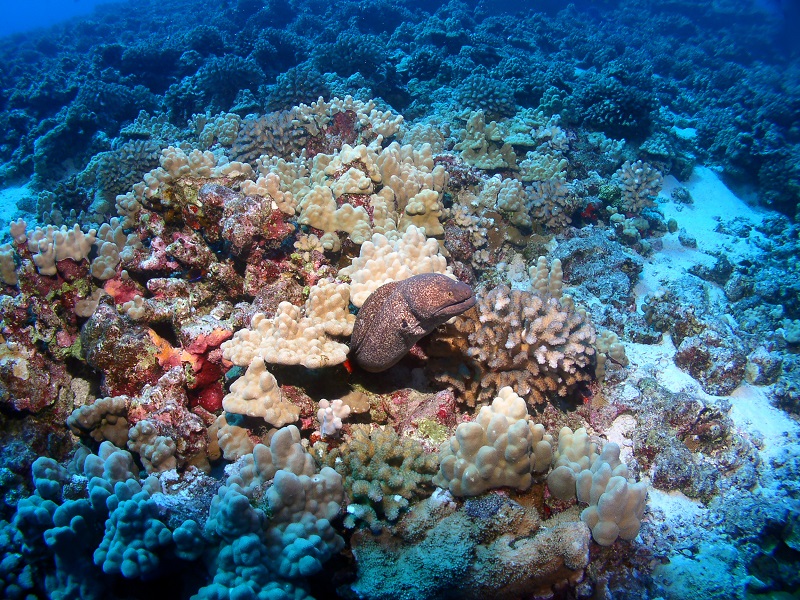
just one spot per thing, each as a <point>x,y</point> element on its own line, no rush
<point>123,352</point>
<point>243,221</point>
<point>166,405</point>
<point>249,222</point>
<point>341,130</point>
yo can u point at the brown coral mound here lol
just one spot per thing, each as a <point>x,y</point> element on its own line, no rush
<point>438,551</point>
<point>537,344</point>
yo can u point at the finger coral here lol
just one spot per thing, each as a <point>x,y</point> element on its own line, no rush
<point>382,472</point>
<point>601,480</point>
<point>535,342</point>
<point>502,447</point>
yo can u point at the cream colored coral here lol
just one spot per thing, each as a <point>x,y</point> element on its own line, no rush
<point>111,241</point>
<point>85,307</point>
<point>316,116</point>
<point>542,167</point>
<point>409,178</point>
<point>294,175</point>
<point>616,503</point>
<point>575,453</point>
<point>366,189</point>
<point>269,186</point>
<point>502,447</point>
<point>136,309</point>
<point>608,346</point>
<point>8,265</point>
<point>129,204</point>
<point>640,183</point>
<point>482,145</point>
<point>157,452</point>
<point>19,231</point>
<point>217,129</point>
<point>330,416</point>
<point>231,441</point>
<point>361,159</point>
<point>177,164</point>
<point>385,259</point>
<point>50,245</point>
<point>328,305</point>
<point>318,209</point>
<point>601,480</point>
<point>291,338</point>
<point>256,394</point>
<point>506,196</point>
<point>104,419</point>
<point>547,282</point>
<point>424,211</point>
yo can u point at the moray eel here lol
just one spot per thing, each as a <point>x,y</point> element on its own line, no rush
<point>397,314</point>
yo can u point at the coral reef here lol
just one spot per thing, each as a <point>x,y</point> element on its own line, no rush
<point>383,474</point>
<point>534,342</point>
<point>294,298</point>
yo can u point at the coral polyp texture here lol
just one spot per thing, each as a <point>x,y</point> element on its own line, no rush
<point>400,301</point>
<point>502,447</point>
<point>535,342</point>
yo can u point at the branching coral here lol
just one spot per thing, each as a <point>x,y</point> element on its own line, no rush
<point>367,189</point>
<point>383,473</point>
<point>640,184</point>
<point>537,344</point>
<point>552,203</point>
<point>482,145</point>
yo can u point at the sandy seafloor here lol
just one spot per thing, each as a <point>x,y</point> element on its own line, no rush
<point>752,413</point>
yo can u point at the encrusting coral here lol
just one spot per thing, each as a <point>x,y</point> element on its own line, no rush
<point>502,550</point>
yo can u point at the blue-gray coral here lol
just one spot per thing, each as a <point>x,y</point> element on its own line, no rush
<point>398,314</point>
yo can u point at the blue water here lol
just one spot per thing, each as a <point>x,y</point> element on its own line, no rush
<point>18,17</point>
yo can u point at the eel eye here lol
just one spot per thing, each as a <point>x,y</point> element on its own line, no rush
<point>404,324</point>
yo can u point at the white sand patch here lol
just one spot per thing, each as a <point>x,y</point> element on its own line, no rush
<point>713,202</point>
<point>753,412</point>
<point>8,203</point>
<point>675,503</point>
<point>658,361</point>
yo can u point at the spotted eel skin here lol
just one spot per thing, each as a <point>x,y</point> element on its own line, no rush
<point>398,314</point>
